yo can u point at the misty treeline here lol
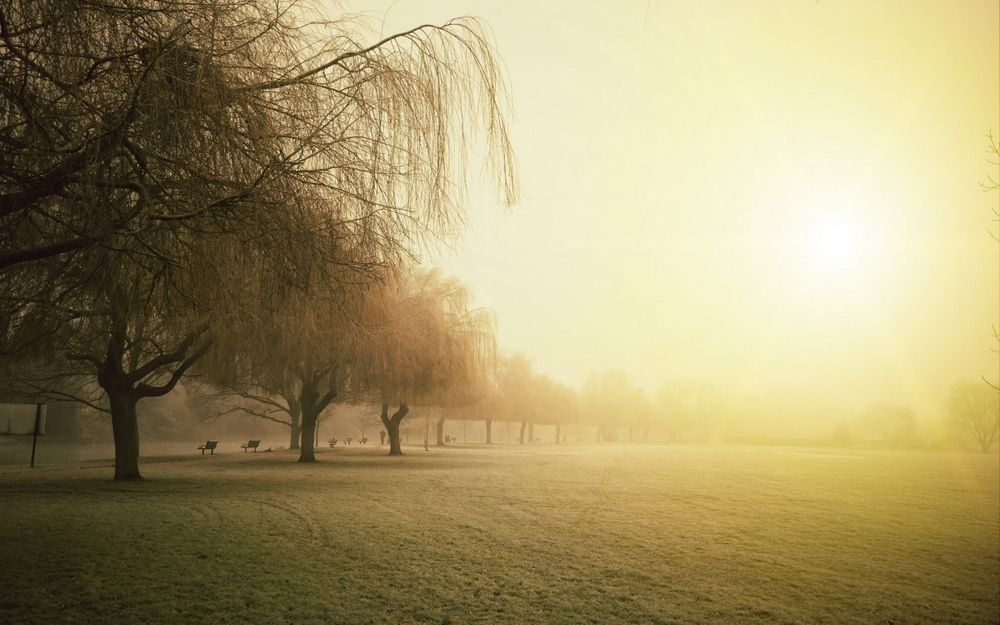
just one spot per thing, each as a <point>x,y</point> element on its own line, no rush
<point>611,407</point>
<point>237,191</point>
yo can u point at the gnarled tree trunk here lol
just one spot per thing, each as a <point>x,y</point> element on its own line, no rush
<point>125,427</point>
<point>391,424</point>
<point>307,453</point>
<point>295,419</point>
<point>395,448</point>
<point>124,388</point>
<point>312,404</point>
<point>439,431</point>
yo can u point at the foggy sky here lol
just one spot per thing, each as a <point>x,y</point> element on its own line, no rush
<point>681,162</point>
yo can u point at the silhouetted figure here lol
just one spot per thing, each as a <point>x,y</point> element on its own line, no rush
<point>381,437</point>
<point>364,440</point>
<point>348,440</point>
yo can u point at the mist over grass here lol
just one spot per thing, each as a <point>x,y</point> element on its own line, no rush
<point>612,534</point>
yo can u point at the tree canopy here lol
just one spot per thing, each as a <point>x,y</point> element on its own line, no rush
<point>174,175</point>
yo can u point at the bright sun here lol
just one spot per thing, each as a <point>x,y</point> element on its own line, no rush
<point>835,243</point>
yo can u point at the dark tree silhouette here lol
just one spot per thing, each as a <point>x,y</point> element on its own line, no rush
<point>172,172</point>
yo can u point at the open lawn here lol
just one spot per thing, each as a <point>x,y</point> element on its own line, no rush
<point>616,534</point>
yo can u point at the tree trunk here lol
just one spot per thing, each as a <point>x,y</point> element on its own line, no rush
<point>531,432</point>
<point>308,450</point>
<point>125,427</point>
<point>439,430</point>
<point>293,443</point>
<point>295,417</point>
<point>489,431</point>
<point>312,402</point>
<point>125,387</point>
<point>308,412</point>
<point>395,449</point>
<point>520,440</point>
<point>558,434</point>
<point>392,427</point>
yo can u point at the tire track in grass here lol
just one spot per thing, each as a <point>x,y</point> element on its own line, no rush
<point>599,496</point>
<point>203,513</point>
<point>312,528</point>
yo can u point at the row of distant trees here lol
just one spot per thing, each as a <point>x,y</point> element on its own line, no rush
<point>612,408</point>
<point>412,339</point>
<point>237,191</point>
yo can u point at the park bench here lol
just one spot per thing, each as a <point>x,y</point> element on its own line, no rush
<point>208,446</point>
<point>250,445</point>
<point>333,443</point>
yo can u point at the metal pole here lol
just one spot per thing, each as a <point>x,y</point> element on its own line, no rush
<point>34,436</point>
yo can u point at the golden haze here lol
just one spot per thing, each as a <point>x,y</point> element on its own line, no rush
<point>772,196</point>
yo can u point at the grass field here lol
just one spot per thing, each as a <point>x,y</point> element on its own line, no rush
<point>617,534</point>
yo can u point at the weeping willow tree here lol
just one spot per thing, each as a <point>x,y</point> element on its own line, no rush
<point>402,115</point>
<point>515,400</point>
<point>117,116</point>
<point>175,173</point>
<point>138,182</point>
<point>486,408</point>
<point>610,400</point>
<point>517,394</point>
<point>475,400</point>
<point>421,341</point>
<point>464,396</point>
<point>558,405</point>
<point>292,360</point>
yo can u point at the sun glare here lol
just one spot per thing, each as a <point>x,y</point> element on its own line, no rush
<point>835,244</point>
